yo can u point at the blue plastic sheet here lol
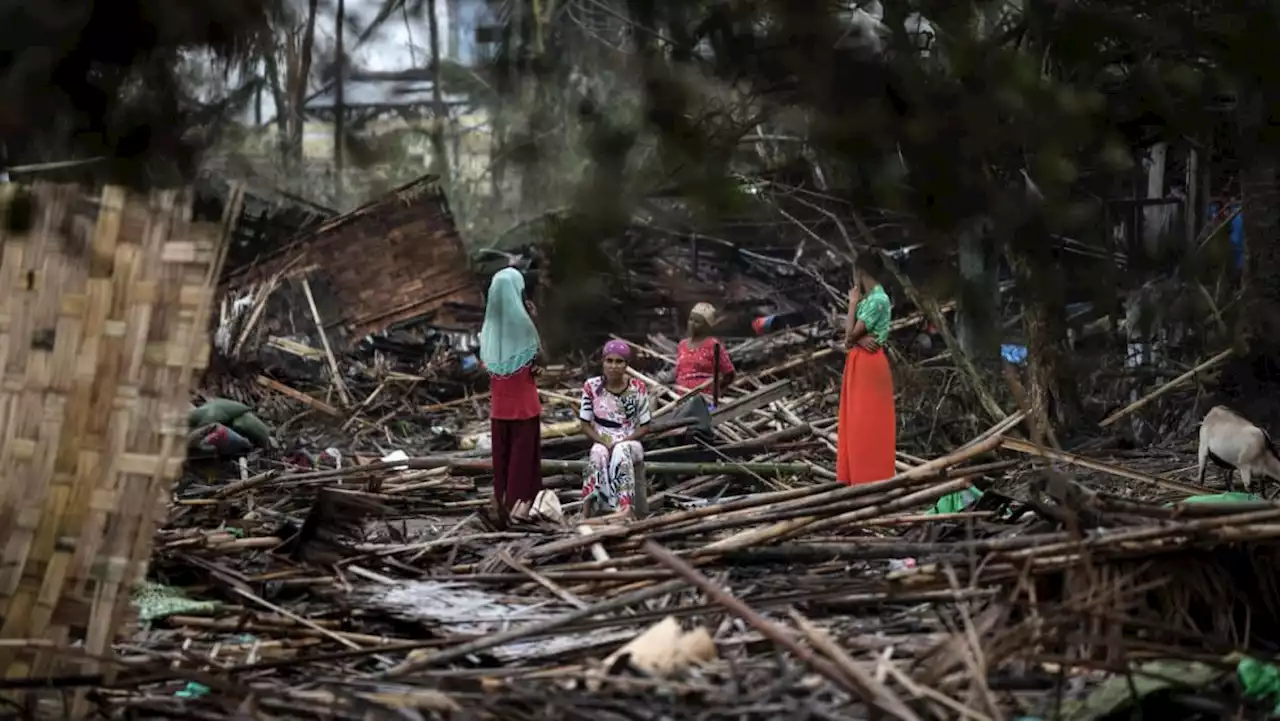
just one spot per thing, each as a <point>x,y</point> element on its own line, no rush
<point>1015,354</point>
<point>1235,231</point>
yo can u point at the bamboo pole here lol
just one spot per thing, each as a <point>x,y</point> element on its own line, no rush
<point>1206,365</point>
<point>485,465</point>
<point>324,340</point>
<point>926,471</point>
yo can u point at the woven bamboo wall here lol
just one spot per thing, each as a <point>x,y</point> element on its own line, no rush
<point>104,304</point>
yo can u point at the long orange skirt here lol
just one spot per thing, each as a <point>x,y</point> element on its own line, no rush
<point>867,431</point>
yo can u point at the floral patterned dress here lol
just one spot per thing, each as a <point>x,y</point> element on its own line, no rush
<point>610,473</point>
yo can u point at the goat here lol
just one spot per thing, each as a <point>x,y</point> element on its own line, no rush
<point>1232,442</point>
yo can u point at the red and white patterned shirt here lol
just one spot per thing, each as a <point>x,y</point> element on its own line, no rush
<point>696,365</point>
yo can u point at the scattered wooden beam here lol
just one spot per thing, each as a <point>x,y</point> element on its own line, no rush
<point>298,395</point>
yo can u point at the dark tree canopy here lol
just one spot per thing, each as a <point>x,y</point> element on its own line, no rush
<point>80,78</point>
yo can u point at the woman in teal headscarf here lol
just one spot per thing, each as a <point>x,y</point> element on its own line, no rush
<point>509,348</point>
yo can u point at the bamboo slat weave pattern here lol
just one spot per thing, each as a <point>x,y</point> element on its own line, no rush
<point>104,306</point>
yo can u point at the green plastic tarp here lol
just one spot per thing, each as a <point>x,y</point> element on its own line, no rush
<point>956,502</point>
<point>1233,497</point>
<point>1260,681</point>
<point>236,416</point>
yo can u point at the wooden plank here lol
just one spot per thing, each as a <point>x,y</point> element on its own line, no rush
<point>753,402</point>
<point>298,395</point>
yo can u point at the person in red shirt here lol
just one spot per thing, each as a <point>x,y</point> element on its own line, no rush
<point>509,349</point>
<point>698,355</point>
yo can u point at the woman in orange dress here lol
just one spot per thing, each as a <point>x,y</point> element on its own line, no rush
<point>867,431</point>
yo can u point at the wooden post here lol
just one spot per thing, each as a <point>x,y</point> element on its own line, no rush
<point>715,375</point>
<point>1193,210</point>
<point>640,494</point>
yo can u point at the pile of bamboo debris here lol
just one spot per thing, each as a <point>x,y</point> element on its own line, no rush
<point>675,614</point>
<point>757,587</point>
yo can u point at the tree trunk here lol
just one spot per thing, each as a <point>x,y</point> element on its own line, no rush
<point>1250,381</point>
<point>339,106</point>
<point>977,315</point>
<point>454,51</point>
<point>439,154</point>
<point>298,85</point>
<point>1052,396</point>
<point>280,97</point>
<point>1260,320</point>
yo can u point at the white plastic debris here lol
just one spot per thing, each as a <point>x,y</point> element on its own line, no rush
<point>546,505</point>
<point>397,455</point>
<point>332,454</point>
<point>901,564</point>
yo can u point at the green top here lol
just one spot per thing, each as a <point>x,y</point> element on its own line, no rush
<point>874,311</point>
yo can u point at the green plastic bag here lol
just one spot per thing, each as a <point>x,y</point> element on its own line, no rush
<point>217,410</point>
<point>250,426</point>
<point>956,502</point>
<point>1260,680</point>
<point>234,415</point>
<point>193,690</point>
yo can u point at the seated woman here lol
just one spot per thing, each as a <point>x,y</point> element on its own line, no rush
<point>615,416</point>
<point>698,356</point>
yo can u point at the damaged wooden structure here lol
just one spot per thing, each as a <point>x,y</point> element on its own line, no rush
<point>105,301</point>
<point>396,261</point>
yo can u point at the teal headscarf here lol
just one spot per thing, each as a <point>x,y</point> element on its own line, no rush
<point>508,338</point>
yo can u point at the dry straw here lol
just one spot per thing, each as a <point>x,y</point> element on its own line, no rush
<point>104,307</point>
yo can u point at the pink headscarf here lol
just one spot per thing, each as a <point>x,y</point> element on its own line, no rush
<point>619,348</point>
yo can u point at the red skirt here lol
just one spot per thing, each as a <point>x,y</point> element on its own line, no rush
<point>517,459</point>
<point>867,432</point>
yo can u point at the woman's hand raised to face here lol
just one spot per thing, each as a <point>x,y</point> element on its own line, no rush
<point>855,295</point>
<point>528,306</point>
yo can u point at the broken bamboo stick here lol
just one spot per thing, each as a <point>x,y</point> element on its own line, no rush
<point>859,686</point>
<point>780,529</point>
<point>485,465</point>
<point>1206,365</point>
<point>324,340</point>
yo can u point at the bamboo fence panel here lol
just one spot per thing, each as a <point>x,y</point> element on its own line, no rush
<point>104,308</point>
